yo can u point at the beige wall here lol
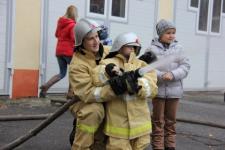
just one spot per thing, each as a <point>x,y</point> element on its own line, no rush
<point>166,9</point>
<point>27,34</point>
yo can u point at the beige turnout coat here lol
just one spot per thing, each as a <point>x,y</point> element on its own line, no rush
<point>127,116</point>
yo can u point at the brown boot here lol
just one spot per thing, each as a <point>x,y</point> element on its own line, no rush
<point>44,88</point>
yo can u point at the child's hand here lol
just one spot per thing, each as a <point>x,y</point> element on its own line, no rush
<point>167,76</point>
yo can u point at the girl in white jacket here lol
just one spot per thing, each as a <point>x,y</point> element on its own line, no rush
<point>170,86</point>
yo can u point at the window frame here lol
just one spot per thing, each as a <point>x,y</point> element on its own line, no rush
<point>211,16</point>
<point>95,15</point>
<point>208,24</point>
<point>119,19</point>
<point>193,8</point>
<point>107,12</point>
<point>223,13</point>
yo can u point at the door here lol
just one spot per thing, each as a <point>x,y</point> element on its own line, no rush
<point>5,47</point>
<point>52,10</point>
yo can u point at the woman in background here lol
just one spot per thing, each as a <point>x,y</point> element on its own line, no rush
<point>64,48</point>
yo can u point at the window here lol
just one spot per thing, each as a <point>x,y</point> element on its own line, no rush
<point>118,10</point>
<point>223,6</point>
<point>216,16</point>
<point>194,3</point>
<point>96,8</point>
<point>209,16</point>
<point>203,15</point>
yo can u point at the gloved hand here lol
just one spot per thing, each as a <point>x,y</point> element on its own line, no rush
<point>148,57</point>
<point>118,85</point>
<point>131,79</point>
<point>127,82</point>
<point>112,70</point>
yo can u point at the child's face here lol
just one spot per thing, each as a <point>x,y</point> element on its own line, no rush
<point>126,50</point>
<point>168,36</point>
<point>91,42</point>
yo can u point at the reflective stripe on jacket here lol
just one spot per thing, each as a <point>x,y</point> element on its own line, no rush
<point>80,71</point>
<point>86,128</point>
<point>80,77</point>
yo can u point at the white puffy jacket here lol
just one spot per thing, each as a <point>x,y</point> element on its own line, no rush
<point>180,69</point>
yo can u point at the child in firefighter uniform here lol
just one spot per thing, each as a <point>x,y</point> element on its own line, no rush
<point>128,123</point>
<point>89,112</point>
<point>170,86</point>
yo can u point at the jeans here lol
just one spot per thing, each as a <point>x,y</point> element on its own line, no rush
<point>63,61</point>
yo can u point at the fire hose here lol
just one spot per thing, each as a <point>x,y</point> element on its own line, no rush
<point>24,117</point>
<point>41,126</point>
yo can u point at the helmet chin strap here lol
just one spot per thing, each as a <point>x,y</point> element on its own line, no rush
<point>137,50</point>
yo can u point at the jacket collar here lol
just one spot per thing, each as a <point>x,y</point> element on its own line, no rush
<point>157,43</point>
<point>131,58</point>
<point>89,54</point>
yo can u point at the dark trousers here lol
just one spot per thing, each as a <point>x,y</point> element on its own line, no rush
<point>63,61</point>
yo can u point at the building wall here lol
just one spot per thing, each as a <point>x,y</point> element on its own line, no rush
<point>143,26</point>
<point>186,36</point>
<point>166,9</point>
<point>34,42</point>
<point>216,67</point>
<point>205,51</point>
<point>26,48</point>
<point>141,20</point>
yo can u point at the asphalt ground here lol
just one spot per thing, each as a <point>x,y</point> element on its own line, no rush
<point>198,106</point>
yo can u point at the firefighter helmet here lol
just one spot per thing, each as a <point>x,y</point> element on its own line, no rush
<point>129,39</point>
<point>83,27</point>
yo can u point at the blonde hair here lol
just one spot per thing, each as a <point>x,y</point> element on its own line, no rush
<point>71,12</point>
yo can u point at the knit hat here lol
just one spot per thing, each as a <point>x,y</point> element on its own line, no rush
<point>163,25</point>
